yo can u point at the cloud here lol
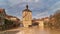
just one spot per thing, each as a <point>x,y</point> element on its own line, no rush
<point>41,15</point>
<point>21,1</point>
<point>36,0</point>
<point>55,7</point>
<point>38,7</point>
<point>13,2</point>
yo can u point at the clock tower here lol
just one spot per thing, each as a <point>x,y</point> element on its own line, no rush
<point>27,17</point>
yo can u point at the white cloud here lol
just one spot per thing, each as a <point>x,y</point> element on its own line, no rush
<point>21,1</point>
<point>36,0</point>
<point>13,2</point>
<point>41,15</point>
<point>55,7</point>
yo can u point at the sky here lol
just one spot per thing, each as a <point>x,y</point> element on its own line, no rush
<point>39,8</point>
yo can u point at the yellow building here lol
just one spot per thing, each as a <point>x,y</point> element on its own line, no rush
<point>27,17</point>
<point>40,22</point>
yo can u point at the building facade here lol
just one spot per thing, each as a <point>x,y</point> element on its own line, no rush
<point>2,16</point>
<point>40,22</point>
<point>27,17</point>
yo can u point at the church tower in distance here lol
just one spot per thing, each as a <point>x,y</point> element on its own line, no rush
<point>27,17</point>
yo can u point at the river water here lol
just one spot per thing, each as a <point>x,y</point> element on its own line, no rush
<point>33,30</point>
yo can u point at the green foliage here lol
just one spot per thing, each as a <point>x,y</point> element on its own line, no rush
<point>8,22</point>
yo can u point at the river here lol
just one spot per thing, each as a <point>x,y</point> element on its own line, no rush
<point>32,30</point>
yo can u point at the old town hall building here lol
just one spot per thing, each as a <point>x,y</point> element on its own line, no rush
<point>27,17</point>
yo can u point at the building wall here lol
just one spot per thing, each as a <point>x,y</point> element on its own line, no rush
<point>41,23</point>
<point>2,16</point>
<point>27,18</point>
<point>27,23</point>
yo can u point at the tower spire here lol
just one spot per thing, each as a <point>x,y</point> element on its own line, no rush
<point>26,6</point>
